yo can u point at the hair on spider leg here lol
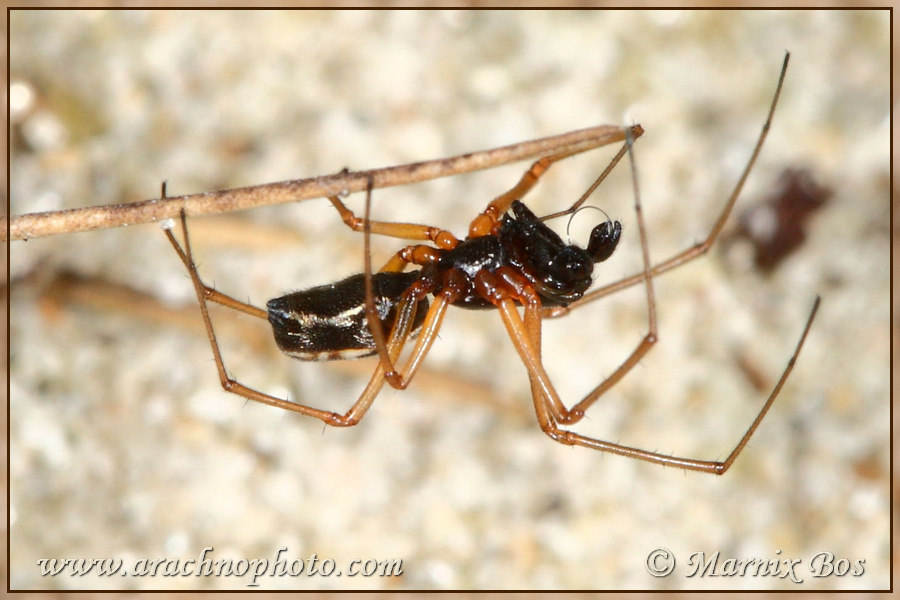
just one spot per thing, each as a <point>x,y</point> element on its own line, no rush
<point>510,262</point>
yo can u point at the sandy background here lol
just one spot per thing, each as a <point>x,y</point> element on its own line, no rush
<point>124,446</point>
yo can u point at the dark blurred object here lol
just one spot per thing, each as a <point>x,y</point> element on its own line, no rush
<point>776,226</point>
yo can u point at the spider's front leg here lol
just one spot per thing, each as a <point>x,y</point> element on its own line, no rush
<point>700,248</point>
<point>547,403</point>
<point>486,222</point>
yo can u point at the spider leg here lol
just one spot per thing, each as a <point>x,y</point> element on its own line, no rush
<point>388,351</point>
<point>427,335</point>
<point>485,222</point>
<point>204,293</point>
<point>587,194</point>
<point>532,326</point>
<point>545,400</point>
<point>394,346</point>
<point>517,286</point>
<point>576,413</point>
<point>406,231</point>
<point>700,248</point>
<point>209,293</point>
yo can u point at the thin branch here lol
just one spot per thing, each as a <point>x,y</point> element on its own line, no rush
<point>118,215</point>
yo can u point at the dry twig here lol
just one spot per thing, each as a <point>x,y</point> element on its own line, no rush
<point>118,215</point>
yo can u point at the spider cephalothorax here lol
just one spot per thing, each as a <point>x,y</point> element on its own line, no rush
<point>561,273</point>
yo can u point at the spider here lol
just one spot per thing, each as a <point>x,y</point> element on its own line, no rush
<point>509,259</point>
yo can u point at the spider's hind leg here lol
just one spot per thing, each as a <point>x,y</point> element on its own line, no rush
<point>205,292</point>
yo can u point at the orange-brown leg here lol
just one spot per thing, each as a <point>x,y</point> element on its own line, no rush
<point>406,231</point>
<point>406,310</point>
<point>211,294</point>
<point>510,283</point>
<point>547,398</point>
<point>351,417</point>
<point>486,222</point>
<point>532,325</point>
<point>427,335</point>
<point>208,292</point>
<point>698,249</point>
<point>576,413</point>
